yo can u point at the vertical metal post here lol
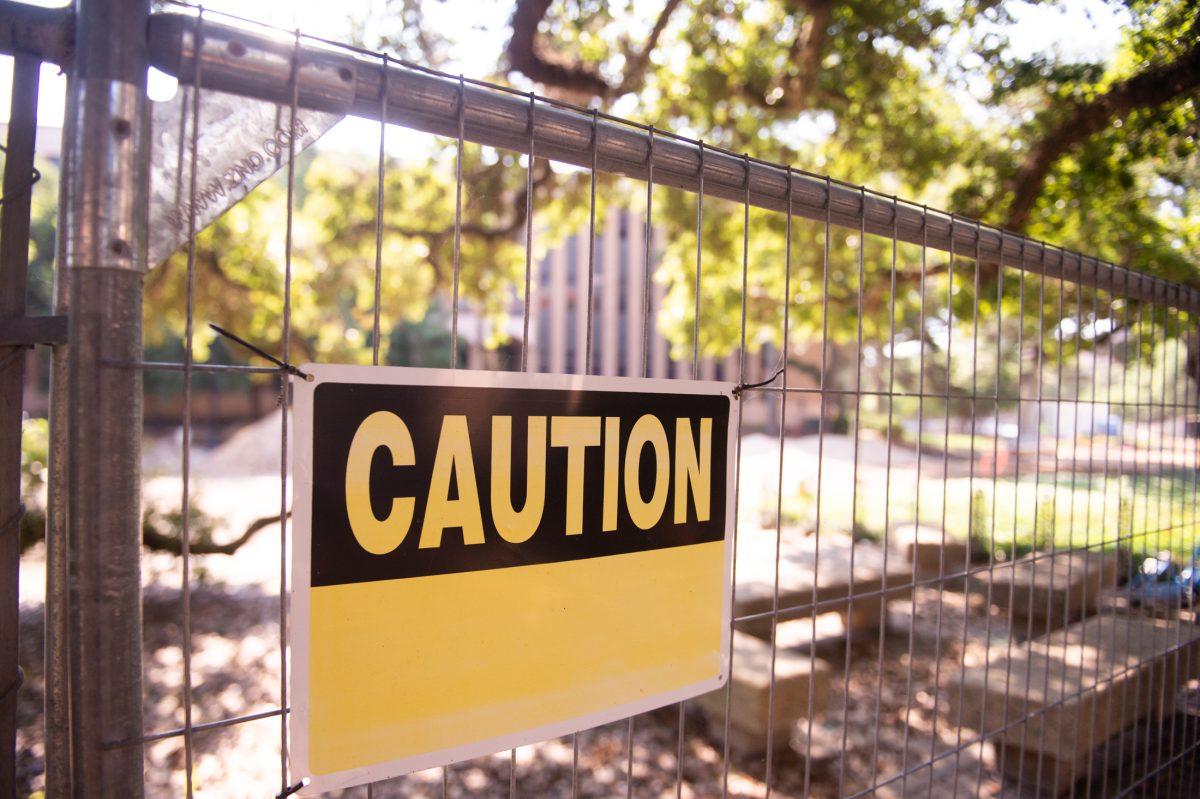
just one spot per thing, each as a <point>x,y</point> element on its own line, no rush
<point>107,147</point>
<point>14,267</point>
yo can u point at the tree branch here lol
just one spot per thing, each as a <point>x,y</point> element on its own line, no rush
<point>555,70</point>
<point>635,69</point>
<point>795,89</point>
<point>526,55</point>
<point>165,542</point>
<point>1152,87</point>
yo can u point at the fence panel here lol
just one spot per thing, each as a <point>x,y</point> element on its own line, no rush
<point>966,468</point>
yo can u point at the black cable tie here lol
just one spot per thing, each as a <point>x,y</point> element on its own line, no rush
<point>21,191</point>
<point>13,522</point>
<point>293,789</point>
<point>740,387</point>
<point>284,365</point>
<point>14,686</point>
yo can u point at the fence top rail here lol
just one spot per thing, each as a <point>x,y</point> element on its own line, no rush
<point>260,62</point>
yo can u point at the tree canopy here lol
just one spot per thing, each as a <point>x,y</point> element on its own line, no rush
<point>930,101</point>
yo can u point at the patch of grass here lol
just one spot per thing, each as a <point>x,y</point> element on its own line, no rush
<point>1144,513</point>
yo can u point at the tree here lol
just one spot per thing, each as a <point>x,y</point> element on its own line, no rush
<point>1101,157</point>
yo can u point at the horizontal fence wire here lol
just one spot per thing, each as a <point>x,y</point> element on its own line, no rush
<point>920,665</point>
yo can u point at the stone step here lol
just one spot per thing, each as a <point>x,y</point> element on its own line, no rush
<point>820,566</point>
<point>1069,691</point>
<point>751,713</point>
<point>935,553</point>
<point>1050,589</point>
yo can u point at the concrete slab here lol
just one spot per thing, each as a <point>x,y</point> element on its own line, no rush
<point>936,553</point>
<point>820,564</point>
<point>751,713</point>
<point>1065,693</point>
<point>1050,589</point>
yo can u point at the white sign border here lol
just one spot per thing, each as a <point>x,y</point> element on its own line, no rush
<point>301,541</point>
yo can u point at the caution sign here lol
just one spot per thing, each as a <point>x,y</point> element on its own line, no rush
<point>484,560</point>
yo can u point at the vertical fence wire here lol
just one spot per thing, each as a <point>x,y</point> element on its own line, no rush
<point>379,190</point>
<point>379,201</point>
<point>1088,491</point>
<point>737,475</point>
<point>699,262</point>
<point>185,463</point>
<point>647,251</point>
<point>851,624</point>
<point>284,398</point>
<point>937,641</point>
<point>1166,478</point>
<point>1012,564</point>
<point>458,189</point>
<point>1187,473</point>
<point>783,402</point>
<point>1157,527</point>
<point>908,690</point>
<point>591,256</point>
<point>968,550</point>
<point>1096,307</point>
<point>527,310</point>
<point>887,493</point>
<point>1120,534</point>
<point>1034,558</point>
<point>1151,531</point>
<point>995,497</point>
<point>1139,359</point>
<point>526,313</point>
<point>822,378</point>
<point>1051,536</point>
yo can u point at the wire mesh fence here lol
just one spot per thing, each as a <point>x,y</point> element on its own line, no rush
<point>967,518</point>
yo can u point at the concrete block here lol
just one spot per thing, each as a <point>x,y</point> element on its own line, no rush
<point>751,714</point>
<point>1069,691</point>
<point>934,553</point>
<point>844,577</point>
<point>1050,589</point>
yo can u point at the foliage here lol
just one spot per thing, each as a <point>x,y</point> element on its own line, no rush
<point>978,540</point>
<point>1044,523</point>
<point>162,527</point>
<point>797,509</point>
<point>913,97</point>
<point>35,465</point>
<point>35,457</point>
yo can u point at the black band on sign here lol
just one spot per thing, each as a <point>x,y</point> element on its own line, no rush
<point>601,495</point>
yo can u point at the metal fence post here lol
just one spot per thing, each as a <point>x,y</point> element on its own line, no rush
<point>107,148</point>
<point>14,266</point>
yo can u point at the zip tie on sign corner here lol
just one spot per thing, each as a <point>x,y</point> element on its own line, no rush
<point>292,789</point>
<point>284,365</point>
<point>740,387</point>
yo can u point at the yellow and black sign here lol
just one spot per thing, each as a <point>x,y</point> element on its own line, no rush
<point>484,560</point>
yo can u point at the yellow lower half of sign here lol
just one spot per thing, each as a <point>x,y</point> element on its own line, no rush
<point>401,668</point>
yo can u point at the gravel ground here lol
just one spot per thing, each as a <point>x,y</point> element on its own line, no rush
<point>236,671</point>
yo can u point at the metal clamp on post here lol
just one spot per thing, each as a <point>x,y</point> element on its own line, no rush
<point>29,331</point>
<point>100,230</point>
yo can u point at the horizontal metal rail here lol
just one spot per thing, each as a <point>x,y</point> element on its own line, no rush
<point>347,81</point>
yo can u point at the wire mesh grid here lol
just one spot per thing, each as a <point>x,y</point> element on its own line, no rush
<point>1013,640</point>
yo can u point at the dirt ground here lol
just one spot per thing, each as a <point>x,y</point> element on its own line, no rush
<point>236,672</point>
